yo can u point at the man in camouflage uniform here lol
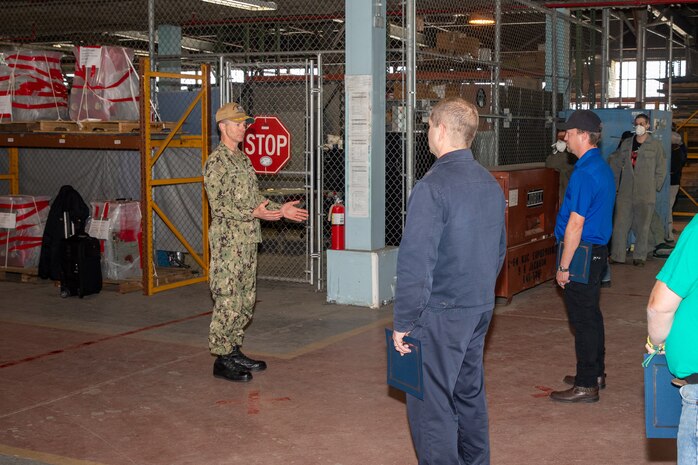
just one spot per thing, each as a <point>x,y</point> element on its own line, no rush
<point>234,233</point>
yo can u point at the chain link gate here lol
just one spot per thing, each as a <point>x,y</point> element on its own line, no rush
<point>282,90</point>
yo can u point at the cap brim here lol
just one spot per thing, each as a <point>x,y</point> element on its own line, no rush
<point>245,119</point>
<point>564,126</point>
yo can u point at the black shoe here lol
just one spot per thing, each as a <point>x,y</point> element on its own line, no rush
<point>639,263</point>
<point>569,379</point>
<point>576,394</point>
<point>243,360</point>
<point>605,283</point>
<point>225,368</point>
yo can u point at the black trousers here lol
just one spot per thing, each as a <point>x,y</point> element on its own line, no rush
<point>584,312</point>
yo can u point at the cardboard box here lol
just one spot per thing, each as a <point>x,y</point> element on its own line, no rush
<point>456,43</point>
<point>22,221</point>
<point>423,91</point>
<point>525,82</point>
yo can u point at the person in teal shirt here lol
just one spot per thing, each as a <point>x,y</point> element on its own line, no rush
<point>672,325</point>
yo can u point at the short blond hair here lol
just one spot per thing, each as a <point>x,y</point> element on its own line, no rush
<point>459,117</point>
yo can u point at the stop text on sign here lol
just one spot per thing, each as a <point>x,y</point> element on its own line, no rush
<point>267,144</point>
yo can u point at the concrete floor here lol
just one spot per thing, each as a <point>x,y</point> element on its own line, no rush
<point>126,379</point>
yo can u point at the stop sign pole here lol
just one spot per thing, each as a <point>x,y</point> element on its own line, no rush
<point>267,144</point>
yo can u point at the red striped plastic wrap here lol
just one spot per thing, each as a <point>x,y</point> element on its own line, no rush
<point>32,87</point>
<point>105,87</point>
<point>117,224</point>
<point>22,221</point>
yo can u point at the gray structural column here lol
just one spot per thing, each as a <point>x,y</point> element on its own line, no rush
<point>364,273</point>
<point>169,45</point>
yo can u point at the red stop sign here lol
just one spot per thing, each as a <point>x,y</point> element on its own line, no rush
<point>267,144</point>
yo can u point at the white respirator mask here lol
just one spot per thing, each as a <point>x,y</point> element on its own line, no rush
<point>640,130</point>
<point>560,145</point>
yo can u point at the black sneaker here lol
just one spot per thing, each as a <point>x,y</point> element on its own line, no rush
<point>243,360</point>
<point>226,368</point>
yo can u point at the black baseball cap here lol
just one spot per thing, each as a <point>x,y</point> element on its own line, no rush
<point>586,120</point>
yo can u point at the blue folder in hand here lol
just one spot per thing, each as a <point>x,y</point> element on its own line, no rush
<point>405,371</point>
<point>581,261</point>
<point>662,400</point>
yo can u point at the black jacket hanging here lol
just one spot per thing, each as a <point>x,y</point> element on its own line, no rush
<point>67,200</point>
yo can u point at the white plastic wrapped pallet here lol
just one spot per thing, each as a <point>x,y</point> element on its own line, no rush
<point>22,222</point>
<point>32,86</point>
<point>117,223</point>
<point>105,86</point>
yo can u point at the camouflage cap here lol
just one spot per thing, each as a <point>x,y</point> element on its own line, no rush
<point>234,112</point>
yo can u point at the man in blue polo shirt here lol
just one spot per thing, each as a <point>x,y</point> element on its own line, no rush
<point>586,215</point>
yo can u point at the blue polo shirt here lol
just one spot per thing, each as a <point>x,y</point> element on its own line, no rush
<point>590,193</point>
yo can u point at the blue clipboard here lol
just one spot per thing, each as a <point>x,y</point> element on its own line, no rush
<point>405,371</point>
<point>662,400</point>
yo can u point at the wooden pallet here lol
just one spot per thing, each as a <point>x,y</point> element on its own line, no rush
<point>19,275</point>
<point>15,127</point>
<point>109,127</point>
<point>124,127</point>
<point>31,275</point>
<point>169,275</point>
<point>122,286</point>
<point>57,126</point>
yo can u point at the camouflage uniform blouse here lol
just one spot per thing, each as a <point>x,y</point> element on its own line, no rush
<point>233,193</point>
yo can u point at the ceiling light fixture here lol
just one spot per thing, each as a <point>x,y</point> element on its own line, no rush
<point>481,19</point>
<point>253,5</point>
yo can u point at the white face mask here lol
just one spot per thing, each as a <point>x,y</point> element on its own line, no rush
<point>560,146</point>
<point>640,130</point>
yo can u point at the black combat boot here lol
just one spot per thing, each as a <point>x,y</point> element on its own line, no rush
<point>224,367</point>
<point>243,360</point>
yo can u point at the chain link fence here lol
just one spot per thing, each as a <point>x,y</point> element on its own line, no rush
<point>518,62</point>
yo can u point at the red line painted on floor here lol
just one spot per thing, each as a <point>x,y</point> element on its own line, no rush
<point>102,339</point>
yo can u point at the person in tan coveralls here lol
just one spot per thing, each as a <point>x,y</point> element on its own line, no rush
<point>639,166</point>
<point>234,233</point>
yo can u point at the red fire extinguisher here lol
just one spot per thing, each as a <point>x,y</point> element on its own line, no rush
<point>336,218</point>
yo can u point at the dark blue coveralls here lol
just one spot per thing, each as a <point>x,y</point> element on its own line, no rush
<point>451,252</point>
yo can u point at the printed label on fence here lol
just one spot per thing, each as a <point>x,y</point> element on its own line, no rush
<point>90,56</point>
<point>5,104</point>
<point>99,229</point>
<point>8,220</point>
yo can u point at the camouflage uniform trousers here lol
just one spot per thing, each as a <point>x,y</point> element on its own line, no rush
<point>233,276</point>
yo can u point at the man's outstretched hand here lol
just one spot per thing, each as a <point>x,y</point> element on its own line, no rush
<point>293,213</point>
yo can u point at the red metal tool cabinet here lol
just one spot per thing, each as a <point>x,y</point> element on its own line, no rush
<point>531,193</point>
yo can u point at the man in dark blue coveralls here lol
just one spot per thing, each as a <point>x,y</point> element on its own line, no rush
<point>586,215</point>
<point>451,252</point>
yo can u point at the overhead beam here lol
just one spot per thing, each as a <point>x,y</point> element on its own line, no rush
<point>188,43</point>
